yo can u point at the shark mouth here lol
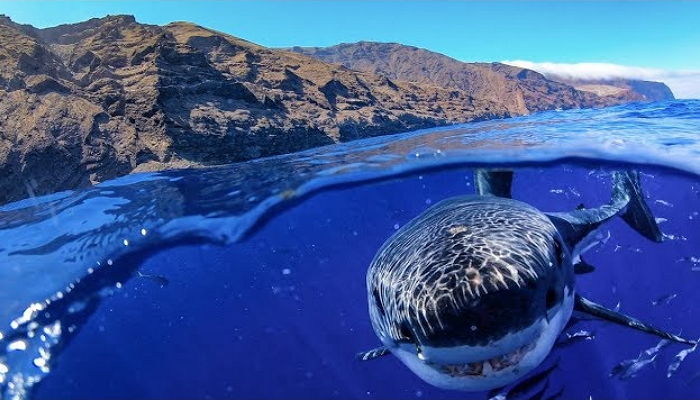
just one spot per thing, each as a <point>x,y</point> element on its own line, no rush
<point>486,367</point>
<point>498,363</point>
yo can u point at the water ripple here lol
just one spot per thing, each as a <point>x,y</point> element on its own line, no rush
<point>60,254</point>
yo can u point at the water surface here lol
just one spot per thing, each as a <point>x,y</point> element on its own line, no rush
<point>264,262</point>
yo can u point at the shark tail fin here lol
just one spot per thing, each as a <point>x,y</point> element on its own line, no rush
<point>636,213</point>
<point>490,182</point>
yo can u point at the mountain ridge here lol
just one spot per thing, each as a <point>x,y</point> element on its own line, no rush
<point>404,62</point>
<point>94,100</point>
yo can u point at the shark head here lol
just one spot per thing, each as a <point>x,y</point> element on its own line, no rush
<point>472,294</point>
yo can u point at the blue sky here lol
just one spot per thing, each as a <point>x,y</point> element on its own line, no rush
<point>660,36</point>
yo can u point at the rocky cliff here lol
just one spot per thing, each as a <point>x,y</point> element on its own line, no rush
<point>87,102</point>
<point>520,90</point>
<point>91,101</point>
<point>625,90</point>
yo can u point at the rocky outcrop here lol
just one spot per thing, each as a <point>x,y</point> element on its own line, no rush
<point>623,90</point>
<point>91,101</point>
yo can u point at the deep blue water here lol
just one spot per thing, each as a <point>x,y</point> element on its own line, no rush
<point>266,295</point>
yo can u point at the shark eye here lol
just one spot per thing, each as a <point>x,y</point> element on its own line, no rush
<point>552,298</point>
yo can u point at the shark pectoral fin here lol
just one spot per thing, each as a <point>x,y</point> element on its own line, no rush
<point>586,306</point>
<point>493,182</point>
<point>372,354</point>
<point>583,267</point>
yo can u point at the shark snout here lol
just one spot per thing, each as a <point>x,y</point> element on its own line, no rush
<point>488,364</point>
<point>493,349</point>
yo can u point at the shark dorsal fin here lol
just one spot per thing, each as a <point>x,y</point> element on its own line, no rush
<point>493,182</point>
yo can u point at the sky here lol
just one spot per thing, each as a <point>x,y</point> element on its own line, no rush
<point>645,39</point>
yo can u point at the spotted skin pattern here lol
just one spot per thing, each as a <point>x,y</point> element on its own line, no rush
<point>440,268</point>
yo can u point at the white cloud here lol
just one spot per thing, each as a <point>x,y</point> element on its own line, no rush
<point>684,83</point>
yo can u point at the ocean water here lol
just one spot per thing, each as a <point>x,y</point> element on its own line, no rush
<point>247,281</point>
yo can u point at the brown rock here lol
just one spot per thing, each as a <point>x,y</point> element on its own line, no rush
<point>621,90</point>
<point>519,90</point>
<point>87,102</point>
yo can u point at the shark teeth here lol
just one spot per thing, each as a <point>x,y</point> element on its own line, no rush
<point>485,367</point>
<point>475,368</point>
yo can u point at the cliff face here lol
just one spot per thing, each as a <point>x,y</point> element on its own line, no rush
<point>625,90</point>
<point>520,90</point>
<point>91,101</point>
<point>87,102</point>
<point>651,91</point>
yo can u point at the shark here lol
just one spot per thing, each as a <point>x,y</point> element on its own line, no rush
<point>473,293</point>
